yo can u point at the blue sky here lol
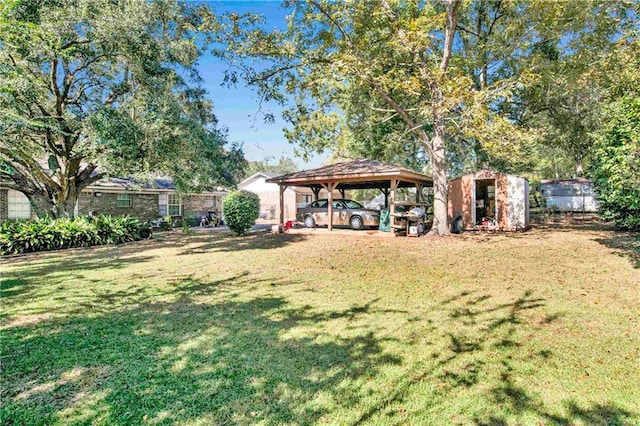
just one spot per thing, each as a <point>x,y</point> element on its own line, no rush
<point>236,108</point>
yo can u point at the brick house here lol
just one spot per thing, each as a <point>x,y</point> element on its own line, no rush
<point>124,197</point>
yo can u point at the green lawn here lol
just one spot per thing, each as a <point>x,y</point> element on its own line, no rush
<point>534,328</point>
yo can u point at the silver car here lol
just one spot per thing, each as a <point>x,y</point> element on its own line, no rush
<point>345,212</point>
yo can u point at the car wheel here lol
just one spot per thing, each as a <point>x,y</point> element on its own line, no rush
<point>356,223</point>
<point>309,222</point>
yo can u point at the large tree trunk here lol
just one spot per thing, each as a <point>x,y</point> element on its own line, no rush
<point>42,204</point>
<point>55,196</point>
<point>579,167</point>
<point>53,203</point>
<point>439,174</point>
<point>438,149</point>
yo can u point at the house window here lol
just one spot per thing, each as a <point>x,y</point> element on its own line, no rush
<point>174,205</point>
<point>18,206</point>
<point>306,199</point>
<point>123,200</point>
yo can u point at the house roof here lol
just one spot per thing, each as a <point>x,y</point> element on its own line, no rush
<point>266,175</point>
<point>159,184</point>
<point>566,181</point>
<point>356,174</point>
<point>269,174</point>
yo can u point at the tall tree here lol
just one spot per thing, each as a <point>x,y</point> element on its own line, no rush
<point>397,54</point>
<point>390,68</point>
<point>615,165</point>
<point>565,102</point>
<point>445,76</point>
<point>92,88</point>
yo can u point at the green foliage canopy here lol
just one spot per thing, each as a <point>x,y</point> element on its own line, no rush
<point>616,165</point>
<point>96,88</point>
<point>433,85</point>
<point>284,165</point>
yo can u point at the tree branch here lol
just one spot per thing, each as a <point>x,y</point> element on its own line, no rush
<point>30,165</point>
<point>464,29</point>
<point>74,43</point>
<point>326,13</point>
<point>271,73</point>
<point>451,7</point>
<point>415,127</point>
<point>53,82</point>
<point>496,16</point>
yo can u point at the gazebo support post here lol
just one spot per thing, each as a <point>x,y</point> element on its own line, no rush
<point>385,191</point>
<point>418,192</point>
<point>282,189</point>
<point>342,193</point>
<point>392,200</point>
<point>330,187</point>
<point>316,192</point>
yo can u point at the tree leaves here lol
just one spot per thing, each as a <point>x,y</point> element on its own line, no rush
<point>105,83</point>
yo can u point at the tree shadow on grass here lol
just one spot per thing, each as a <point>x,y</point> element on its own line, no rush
<point>253,241</point>
<point>10,287</point>
<point>213,356</point>
<point>484,342</point>
<point>520,402</point>
<point>626,245</point>
<point>231,361</point>
<point>117,256</point>
<point>19,288</point>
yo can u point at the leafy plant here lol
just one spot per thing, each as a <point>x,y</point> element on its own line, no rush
<point>616,167</point>
<point>186,227</point>
<point>48,234</point>
<point>240,210</point>
<point>84,66</point>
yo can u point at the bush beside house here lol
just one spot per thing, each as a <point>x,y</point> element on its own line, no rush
<point>240,210</point>
<point>25,236</point>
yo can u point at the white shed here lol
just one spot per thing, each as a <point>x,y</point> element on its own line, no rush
<point>569,195</point>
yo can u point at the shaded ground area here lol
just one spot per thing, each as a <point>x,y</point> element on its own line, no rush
<point>488,329</point>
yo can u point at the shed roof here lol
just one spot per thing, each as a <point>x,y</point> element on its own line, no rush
<point>566,181</point>
<point>486,174</point>
<point>357,174</point>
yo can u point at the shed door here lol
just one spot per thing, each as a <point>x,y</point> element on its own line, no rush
<point>484,200</point>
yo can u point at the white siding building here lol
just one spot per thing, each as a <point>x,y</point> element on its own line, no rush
<point>570,195</point>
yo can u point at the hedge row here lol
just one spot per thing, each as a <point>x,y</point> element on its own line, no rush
<point>24,236</point>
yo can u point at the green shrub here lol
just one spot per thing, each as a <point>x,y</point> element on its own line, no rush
<point>240,210</point>
<point>24,236</point>
<point>616,166</point>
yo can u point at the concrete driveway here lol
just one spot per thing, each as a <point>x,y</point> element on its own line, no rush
<point>261,225</point>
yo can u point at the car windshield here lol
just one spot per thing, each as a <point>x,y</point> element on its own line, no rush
<point>352,204</point>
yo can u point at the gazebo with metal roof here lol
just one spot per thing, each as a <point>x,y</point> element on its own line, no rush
<point>356,174</point>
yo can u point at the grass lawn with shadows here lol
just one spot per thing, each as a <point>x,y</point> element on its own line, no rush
<point>534,328</point>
